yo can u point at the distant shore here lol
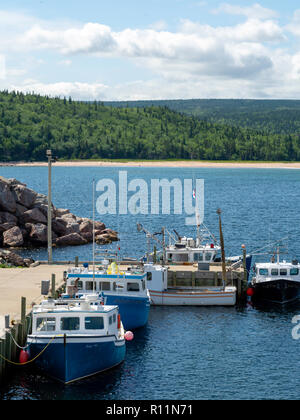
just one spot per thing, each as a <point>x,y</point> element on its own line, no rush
<point>162,164</point>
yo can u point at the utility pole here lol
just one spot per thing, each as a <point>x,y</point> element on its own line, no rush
<point>50,160</point>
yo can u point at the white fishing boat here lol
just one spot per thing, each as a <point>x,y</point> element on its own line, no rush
<point>71,340</point>
<point>177,249</point>
<point>162,294</point>
<point>123,287</point>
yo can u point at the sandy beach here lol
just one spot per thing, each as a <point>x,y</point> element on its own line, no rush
<point>163,164</point>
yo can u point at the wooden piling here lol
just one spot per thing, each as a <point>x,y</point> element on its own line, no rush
<point>2,362</point>
<point>53,290</point>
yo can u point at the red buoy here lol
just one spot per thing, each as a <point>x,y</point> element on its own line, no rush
<point>129,335</point>
<point>24,356</point>
<point>250,291</point>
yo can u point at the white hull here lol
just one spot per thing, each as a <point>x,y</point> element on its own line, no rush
<point>181,297</point>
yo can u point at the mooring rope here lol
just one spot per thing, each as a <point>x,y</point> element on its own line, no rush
<point>29,361</point>
<point>13,339</point>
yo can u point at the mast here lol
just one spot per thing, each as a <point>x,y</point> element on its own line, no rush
<point>93,235</point>
<point>219,211</point>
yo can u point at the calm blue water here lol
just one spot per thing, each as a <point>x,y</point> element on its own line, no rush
<point>188,353</point>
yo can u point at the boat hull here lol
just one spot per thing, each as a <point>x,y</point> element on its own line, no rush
<point>277,291</point>
<point>179,297</point>
<point>74,358</point>
<point>134,311</point>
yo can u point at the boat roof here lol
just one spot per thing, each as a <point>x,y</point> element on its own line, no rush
<point>90,274</point>
<point>282,264</point>
<point>71,306</point>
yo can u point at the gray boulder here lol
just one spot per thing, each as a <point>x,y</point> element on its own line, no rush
<point>38,233</point>
<point>13,237</point>
<point>6,226</point>
<point>71,239</point>
<point>7,200</point>
<point>24,195</point>
<point>61,212</point>
<point>59,226</point>
<point>6,217</point>
<point>86,226</point>
<point>33,216</point>
<point>20,210</point>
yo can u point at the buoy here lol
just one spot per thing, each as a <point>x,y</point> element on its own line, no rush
<point>129,335</point>
<point>250,291</point>
<point>24,356</point>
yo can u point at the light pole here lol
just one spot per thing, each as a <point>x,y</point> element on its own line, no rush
<point>50,160</point>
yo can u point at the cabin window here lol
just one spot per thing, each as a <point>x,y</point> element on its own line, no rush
<point>263,271</point>
<point>110,320</point>
<point>143,284</point>
<point>114,318</point>
<point>294,271</point>
<point>133,287</point>
<point>283,272</point>
<point>180,257</point>
<point>198,257</point>
<point>104,285</point>
<point>208,256</point>
<point>149,276</point>
<point>94,323</point>
<point>45,324</point>
<point>274,272</point>
<point>69,324</point>
<point>78,284</point>
<point>90,285</point>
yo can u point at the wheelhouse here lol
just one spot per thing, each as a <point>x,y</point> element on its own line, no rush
<point>56,318</point>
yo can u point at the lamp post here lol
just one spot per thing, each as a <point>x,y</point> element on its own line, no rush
<point>49,156</point>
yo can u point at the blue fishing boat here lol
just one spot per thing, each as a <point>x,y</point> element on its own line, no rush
<point>127,289</point>
<point>74,339</point>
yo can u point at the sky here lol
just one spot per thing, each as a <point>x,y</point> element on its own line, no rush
<point>155,49</point>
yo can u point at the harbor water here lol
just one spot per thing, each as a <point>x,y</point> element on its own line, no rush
<point>187,352</point>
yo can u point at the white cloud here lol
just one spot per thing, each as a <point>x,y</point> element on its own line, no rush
<point>78,90</point>
<point>294,26</point>
<point>253,12</point>
<point>229,51</point>
<point>66,63</point>
<point>249,59</point>
<point>160,25</point>
<point>2,67</point>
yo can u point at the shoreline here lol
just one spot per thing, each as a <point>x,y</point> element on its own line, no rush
<point>160,164</point>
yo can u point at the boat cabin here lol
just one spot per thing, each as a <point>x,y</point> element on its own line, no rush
<point>157,277</point>
<point>187,251</point>
<point>75,317</point>
<point>81,280</point>
<point>277,271</point>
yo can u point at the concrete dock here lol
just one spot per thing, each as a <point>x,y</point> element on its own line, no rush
<point>16,283</point>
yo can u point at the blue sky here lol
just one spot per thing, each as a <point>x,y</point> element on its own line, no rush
<point>159,49</point>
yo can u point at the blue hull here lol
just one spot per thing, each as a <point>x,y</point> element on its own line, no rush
<point>134,311</point>
<point>73,361</point>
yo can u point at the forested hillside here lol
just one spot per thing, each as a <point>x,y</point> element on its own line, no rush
<point>30,124</point>
<point>272,116</point>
